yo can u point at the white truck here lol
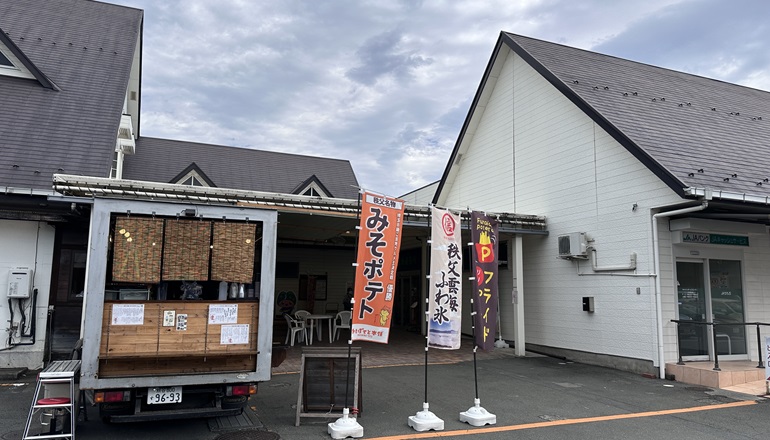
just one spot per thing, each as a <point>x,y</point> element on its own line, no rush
<point>178,308</point>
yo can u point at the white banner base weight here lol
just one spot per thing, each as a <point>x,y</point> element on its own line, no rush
<point>477,415</point>
<point>425,420</point>
<point>501,344</point>
<point>345,427</point>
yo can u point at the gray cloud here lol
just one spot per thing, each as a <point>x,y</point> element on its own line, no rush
<point>714,38</point>
<point>387,85</point>
<point>381,55</point>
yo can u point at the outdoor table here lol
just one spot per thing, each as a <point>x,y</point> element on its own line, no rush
<point>320,317</point>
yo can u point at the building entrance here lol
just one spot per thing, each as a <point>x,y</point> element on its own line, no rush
<point>710,291</point>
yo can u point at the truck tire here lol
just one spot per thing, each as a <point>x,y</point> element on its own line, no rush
<point>232,402</point>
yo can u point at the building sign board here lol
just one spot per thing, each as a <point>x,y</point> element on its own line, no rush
<point>720,239</point>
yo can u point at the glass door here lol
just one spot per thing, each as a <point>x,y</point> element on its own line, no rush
<point>718,300</point>
<point>727,306</point>
<point>691,299</point>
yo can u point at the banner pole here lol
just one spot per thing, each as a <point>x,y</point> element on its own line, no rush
<point>352,304</point>
<point>425,420</point>
<point>426,350</point>
<point>473,311</point>
<point>476,415</point>
<point>347,426</point>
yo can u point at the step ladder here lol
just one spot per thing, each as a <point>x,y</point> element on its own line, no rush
<point>52,408</point>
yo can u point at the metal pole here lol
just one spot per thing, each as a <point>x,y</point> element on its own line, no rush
<point>426,348</point>
<point>473,305</point>
<point>716,351</point>
<point>352,306</point>
<point>427,321</point>
<point>760,364</point>
<point>678,348</point>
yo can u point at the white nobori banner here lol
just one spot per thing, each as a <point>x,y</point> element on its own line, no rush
<point>445,293</point>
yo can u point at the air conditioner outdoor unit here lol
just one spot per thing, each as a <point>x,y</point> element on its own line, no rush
<point>573,245</point>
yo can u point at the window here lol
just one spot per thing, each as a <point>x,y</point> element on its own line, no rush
<point>11,66</point>
<point>192,176</point>
<point>5,62</point>
<point>193,180</point>
<point>114,167</point>
<point>313,187</point>
<point>311,192</point>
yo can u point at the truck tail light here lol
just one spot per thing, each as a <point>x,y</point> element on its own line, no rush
<point>112,396</point>
<point>241,390</point>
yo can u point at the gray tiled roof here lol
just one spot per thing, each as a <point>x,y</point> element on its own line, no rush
<point>690,130</point>
<point>161,160</point>
<point>86,49</point>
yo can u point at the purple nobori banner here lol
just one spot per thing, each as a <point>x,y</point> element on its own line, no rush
<point>485,246</point>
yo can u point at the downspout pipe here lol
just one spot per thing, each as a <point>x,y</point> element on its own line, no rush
<point>656,259</point>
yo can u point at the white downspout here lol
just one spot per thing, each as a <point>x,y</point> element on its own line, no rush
<point>656,265</point>
<point>119,170</point>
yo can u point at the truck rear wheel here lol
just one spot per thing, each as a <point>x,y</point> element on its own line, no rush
<point>232,402</point>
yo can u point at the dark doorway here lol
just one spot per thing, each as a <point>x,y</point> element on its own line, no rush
<point>67,288</point>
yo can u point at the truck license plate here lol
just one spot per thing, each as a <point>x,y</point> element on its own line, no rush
<point>164,395</point>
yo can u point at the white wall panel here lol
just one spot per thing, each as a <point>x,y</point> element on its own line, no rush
<point>485,179</point>
<point>568,169</point>
<point>582,180</point>
<point>25,244</point>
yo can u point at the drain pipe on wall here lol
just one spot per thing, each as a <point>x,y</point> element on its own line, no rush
<point>656,265</point>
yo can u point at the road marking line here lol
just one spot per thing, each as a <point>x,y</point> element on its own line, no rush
<point>434,434</point>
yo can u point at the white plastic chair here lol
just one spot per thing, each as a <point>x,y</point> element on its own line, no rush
<point>302,316</point>
<point>342,320</point>
<point>295,326</point>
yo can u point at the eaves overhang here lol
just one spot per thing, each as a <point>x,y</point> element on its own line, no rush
<point>711,194</point>
<point>90,187</point>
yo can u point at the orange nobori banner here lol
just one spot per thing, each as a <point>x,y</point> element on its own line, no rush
<point>379,240</point>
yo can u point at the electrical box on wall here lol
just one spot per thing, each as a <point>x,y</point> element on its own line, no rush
<point>20,282</point>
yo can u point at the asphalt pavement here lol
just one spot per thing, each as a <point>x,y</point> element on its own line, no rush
<point>532,397</point>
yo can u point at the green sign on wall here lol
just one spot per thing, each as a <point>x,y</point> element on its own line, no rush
<point>700,238</point>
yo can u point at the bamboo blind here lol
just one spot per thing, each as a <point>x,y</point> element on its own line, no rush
<point>186,250</point>
<point>233,253</point>
<point>137,250</point>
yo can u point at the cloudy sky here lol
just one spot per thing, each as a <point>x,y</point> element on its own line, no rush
<point>386,84</point>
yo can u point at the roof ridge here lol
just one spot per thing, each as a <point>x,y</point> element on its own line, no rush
<point>628,60</point>
<point>242,148</point>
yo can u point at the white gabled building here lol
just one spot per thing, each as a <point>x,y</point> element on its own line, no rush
<point>62,112</point>
<point>655,187</point>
